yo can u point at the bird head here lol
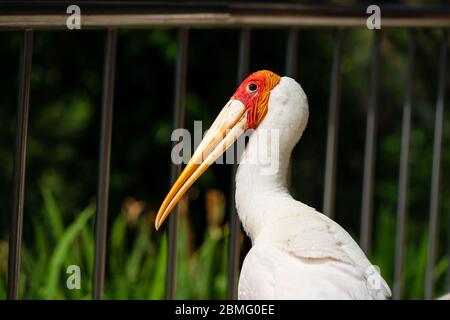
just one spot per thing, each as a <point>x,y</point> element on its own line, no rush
<point>246,109</point>
<point>254,94</point>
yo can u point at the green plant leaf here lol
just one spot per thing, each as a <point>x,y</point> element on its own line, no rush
<point>60,252</point>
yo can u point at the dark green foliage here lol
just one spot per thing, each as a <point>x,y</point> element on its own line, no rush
<point>63,153</point>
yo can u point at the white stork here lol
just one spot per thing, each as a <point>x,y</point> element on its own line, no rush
<point>297,252</point>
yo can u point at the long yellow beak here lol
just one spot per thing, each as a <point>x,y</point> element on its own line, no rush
<point>228,126</point>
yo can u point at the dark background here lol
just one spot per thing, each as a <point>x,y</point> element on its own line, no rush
<point>65,103</point>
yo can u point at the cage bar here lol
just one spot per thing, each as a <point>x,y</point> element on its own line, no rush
<point>20,157</point>
<point>436,170</point>
<point>101,223</point>
<point>370,148</point>
<point>333,128</point>
<point>402,205</point>
<point>235,227</point>
<point>175,171</point>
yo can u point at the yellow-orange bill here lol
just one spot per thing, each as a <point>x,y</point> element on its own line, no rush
<point>228,126</point>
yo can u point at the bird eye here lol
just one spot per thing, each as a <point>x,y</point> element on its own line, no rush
<point>252,87</point>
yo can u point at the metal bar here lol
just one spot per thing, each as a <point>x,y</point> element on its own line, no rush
<point>436,171</point>
<point>291,53</point>
<point>277,9</point>
<point>291,71</point>
<point>235,227</point>
<point>23,103</point>
<point>210,20</point>
<point>101,227</point>
<point>333,128</point>
<point>138,14</point>
<point>178,122</point>
<point>370,148</point>
<point>402,206</point>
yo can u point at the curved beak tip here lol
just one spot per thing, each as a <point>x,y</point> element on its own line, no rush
<point>230,123</point>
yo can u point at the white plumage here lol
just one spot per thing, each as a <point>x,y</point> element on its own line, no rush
<point>297,252</point>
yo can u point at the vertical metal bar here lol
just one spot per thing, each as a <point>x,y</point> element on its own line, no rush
<point>370,149</point>
<point>291,71</point>
<point>333,128</point>
<point>402,206</point>
<point>291,53</point>
<point>178,122</point>
<point>235,228</point>
<point>101,226</point>
<point>436,171</point>
<point>23,102</point>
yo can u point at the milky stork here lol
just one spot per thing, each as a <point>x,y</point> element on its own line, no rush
<point>297,252</point>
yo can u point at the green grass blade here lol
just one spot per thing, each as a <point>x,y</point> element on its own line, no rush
<point>61,251</point>
<point>53,214</point>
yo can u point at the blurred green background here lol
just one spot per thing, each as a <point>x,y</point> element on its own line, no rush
<point>62,160</point>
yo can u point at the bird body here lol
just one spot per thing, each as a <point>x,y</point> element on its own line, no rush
<point>307,256</point>
<point>297,252</point>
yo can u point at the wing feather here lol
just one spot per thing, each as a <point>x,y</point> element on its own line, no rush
<point>324,256</point>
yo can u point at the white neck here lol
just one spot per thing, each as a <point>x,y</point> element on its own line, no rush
<point>259,192</point>
<point>261,184</point>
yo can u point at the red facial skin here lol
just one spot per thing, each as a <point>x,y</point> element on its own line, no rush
<point>256,101</point>
<point>250,98</point>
